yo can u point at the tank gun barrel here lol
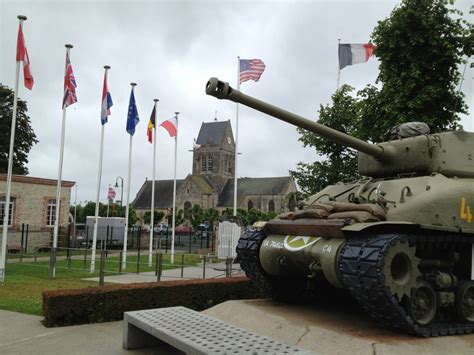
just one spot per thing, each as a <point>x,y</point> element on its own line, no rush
<point>223,90</point>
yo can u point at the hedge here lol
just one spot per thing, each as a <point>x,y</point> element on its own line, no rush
<point>108,303</point>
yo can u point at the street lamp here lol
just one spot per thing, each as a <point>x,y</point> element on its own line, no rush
<point>121,188</point>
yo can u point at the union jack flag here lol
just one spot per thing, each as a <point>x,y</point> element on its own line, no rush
<point>69,84</point>
<point>251,69</point>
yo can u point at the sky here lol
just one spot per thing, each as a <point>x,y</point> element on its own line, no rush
<point>170,49</point>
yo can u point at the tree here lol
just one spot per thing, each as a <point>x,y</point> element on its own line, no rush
<point>157,216</point>
<point>420,47</point>
<point>341,164</point>
<point>25,137</point>
<point>179,219</point>
<point>196,215</point>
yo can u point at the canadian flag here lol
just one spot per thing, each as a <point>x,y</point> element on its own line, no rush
<point>22,56</point>
<point>171,126</point>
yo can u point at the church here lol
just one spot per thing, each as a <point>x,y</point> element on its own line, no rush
<point>211,183</point>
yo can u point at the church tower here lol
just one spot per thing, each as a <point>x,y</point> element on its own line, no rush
<point>214,153</point>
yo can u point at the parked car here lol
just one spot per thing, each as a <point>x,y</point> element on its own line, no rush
<point>161,228</point>
<point>184,230</point>
<point>202,231</point>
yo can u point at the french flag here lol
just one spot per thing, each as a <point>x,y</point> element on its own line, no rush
<point>106,102</point>
<point>350,54</point>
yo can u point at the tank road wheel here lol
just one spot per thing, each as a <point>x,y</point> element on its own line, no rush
<point>423,303</point>
<point>465,301</point>
<point>401,269</point>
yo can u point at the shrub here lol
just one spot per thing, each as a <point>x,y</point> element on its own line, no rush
<point>103,304</point>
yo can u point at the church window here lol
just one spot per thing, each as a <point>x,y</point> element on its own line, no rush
<point>209,163</point>
<point>271,206</point>
<point>250,205</point>
<point>203,164</point>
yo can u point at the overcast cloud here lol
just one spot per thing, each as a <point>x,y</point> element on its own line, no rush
<point>171,49</point>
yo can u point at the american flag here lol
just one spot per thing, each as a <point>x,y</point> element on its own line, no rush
<point>69,84</point>
<point>251,69</point>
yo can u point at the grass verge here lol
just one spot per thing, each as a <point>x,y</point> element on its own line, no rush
<point>25,282</point>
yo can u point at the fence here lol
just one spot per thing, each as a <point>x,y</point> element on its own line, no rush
<point>194,256</point>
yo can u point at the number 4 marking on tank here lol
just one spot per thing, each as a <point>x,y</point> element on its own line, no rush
<point>465,211</point>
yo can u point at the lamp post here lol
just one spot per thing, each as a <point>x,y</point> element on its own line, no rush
<point>121,188</point>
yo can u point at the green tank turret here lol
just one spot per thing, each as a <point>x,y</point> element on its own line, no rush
<point>401,239</point>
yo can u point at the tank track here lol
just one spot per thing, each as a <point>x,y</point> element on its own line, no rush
<point>361,265</point>
<point>287,290</point>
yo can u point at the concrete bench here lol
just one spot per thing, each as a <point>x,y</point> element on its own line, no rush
<point>191,332</point>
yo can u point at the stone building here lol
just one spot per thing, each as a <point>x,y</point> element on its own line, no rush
<point>211,183</point>
<point>33,205</point>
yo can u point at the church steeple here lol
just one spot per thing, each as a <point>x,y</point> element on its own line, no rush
<point>214,150</point>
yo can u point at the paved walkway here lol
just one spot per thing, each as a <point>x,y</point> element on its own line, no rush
<point>326,330</point>
<point>215,270</point>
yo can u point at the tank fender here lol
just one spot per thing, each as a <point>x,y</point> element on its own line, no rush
<point>381,227</point>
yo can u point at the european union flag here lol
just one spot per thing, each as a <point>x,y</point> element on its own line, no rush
<point>132,118</point>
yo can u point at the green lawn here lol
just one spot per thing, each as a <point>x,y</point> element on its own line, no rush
<point>25,282</point>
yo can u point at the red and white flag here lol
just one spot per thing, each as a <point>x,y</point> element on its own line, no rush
<point>171,126</point>
<point>22,56</point>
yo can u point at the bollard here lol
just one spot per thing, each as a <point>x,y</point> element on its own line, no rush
<point>204,267</point>
<point>160,267</point>
<point>22,238</point>
<point>182,265</point>
<point>69,260</point>
<point>101,268</point>
<point>52,263</point>
<point>228,267</point>
<point>138,252</point>
<point>26,238</point>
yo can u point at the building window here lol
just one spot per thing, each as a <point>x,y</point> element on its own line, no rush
<point>249,205</point>
<point>271,206</point>
<point>209,164</point>
<point>10,212</point>
<point>203,164</point>
<point>51,212</point>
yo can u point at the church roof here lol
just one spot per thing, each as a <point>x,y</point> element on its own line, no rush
<point>163,194</point>
<point>212,132</point>
<point>202,183</point>
<point>253,186</point>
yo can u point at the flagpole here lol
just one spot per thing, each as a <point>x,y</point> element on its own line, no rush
<point>3,255</point>
<point>236,139</point>
<point>152,217</point>
<point>99,178</point>
<point>125,233</point>
<point>174,190</point>
<point>60,172</point>
<point>338,64</point>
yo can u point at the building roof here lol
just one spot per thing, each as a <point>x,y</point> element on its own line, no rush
<point>253,186</point>
<point>37,180</point>
<point>212,132</point>
<point>163,194</point>
<point>202,183</point>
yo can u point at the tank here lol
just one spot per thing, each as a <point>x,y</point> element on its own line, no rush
<point>400,240</point>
